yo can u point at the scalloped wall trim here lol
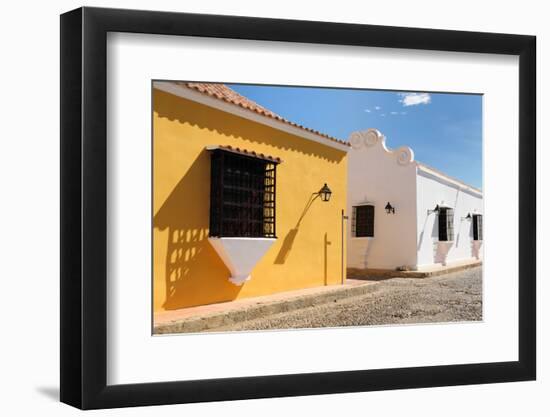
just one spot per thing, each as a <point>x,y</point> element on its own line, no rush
<point>404,155</point>
<point>372,137</point>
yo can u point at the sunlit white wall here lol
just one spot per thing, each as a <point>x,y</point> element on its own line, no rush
<point>431,191</point>
<point>378,175</point>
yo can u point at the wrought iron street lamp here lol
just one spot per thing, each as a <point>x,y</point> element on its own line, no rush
<point>435,210</point>
<point>325,193</point>
<point>468,217</point>
<point>389,208</point>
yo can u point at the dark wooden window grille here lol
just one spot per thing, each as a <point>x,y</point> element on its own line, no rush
<point>363,221</point>
<point>242,195</point>
<point>446,224</point>
<point>478,226</point>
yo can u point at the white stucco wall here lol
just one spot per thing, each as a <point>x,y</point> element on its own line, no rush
<point>433,189</point>
<point>378,175</point>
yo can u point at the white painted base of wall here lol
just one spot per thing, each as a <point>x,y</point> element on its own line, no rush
<point>240,254</point>
<point>449,264</point>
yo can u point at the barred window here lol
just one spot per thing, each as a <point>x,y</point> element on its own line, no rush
<point>446,224</point>
<point>363,221</point>
<point>242,195</point>
<point>478,226</point>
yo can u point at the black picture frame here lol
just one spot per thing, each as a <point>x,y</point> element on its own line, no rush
<point>84,207</point>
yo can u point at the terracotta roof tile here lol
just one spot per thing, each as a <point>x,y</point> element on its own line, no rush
<point>229,148</point>
<point>224,93</point>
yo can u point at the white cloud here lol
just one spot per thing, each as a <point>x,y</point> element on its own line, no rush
<point>383,114</point>
<point>367,110</point>
<point>394,112</point>
<point>377,107</point>
<point>414,99</point>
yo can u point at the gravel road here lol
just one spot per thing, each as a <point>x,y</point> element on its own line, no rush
<point>445,298</point>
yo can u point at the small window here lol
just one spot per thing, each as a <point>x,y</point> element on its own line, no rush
<point>478,226</point>
<point>242,195</point>
<point>446,224</point>
<point>363,221</point>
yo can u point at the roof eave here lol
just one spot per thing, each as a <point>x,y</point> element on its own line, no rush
<point>450,180</point>
<point>196,96</point>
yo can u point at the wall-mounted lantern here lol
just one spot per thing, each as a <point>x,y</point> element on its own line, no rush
<point>435,209</point>
<point>325,193</point>
<point>389,208</point>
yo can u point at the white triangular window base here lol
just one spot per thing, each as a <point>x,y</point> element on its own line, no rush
<point>240,254</point>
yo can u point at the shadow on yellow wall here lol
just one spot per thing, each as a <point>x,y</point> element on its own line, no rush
<point>326,244</point>
<point>187,270</point>
<point>193,271</point>
<point>291,235</point>
<point>170,107</point>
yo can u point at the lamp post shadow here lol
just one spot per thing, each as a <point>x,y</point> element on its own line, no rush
<point>291,235</point>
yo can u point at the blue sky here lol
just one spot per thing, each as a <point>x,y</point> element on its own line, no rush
<point>444,130</point>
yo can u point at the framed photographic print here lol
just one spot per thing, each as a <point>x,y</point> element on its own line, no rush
<point>257,208</point>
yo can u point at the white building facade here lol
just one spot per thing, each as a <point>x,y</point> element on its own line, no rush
<point>404,214</point>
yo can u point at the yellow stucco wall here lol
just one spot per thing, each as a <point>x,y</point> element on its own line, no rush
<point>187,271</point>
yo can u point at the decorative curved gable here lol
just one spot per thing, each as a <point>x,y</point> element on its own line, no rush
<point>372,138</point>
